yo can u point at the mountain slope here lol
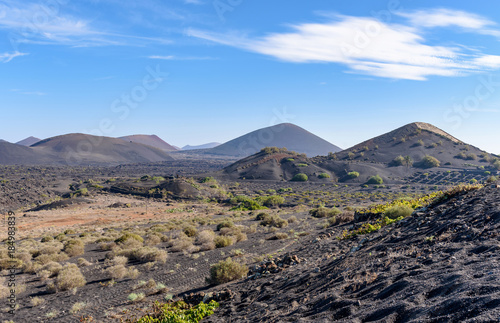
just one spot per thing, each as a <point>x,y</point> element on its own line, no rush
<point>437,265</point>
<point>286,135</point>
<point>150,140</point>
<point>205,146</point>
<point>277,165</point>
<point>82,149</point>
<point>13,154</point>
<point>28,141</point>
<point>416,140</point>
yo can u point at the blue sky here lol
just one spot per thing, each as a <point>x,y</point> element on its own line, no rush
<point>196,71</point>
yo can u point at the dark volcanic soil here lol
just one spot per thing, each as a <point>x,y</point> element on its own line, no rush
<point>441,265</point>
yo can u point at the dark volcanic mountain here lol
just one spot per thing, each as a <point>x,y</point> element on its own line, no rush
<point>205,146</point>
<point>379,156</point>
<point>416,140</point>
<point>277,165</point>
<point>1,140</point>
<point>150,140</point>
<point>285,135</point>
<point>12,154</point>
<point>28,141</point>
<point>81,149</point>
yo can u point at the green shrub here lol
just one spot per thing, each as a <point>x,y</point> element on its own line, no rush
<point>190,231</point>
<point>398,211</point>
<point>377,180</point>
<point>225,224</point>
<point>429,162</point>
<point>492,179</point>
<point>261,216</point>
<point>302,165</point>
<point>274,201</point>
<point>274,221</point>
<point>69,277</point>
<point>323,212</point>
<point>245,203</point>
<point>300,178</point>
<point>223,241</point>
<point>129,236</point>
<point>226,271</point>
<point>353,175</point>
<point>74,248</point>
<point>133,297</point>
<point>398,161</point>
<point>324,175</point>
<point>179,312</point>
<point>496,164</point>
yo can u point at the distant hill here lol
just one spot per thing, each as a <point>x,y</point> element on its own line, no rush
<point>276,165</point>
<point>12,154</point>
<point>416,140</point>
<point>286,135</point>
<point>383,155</point>
<point>82,149</point>
<point>28,141</point>
<point>1,140</point>
<point>205,146</point>
<point>150,140</point>
<point>457,162</point>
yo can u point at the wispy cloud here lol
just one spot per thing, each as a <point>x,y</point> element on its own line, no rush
<point>443,17</point>
<point>7,57</point>
<point>180,58</point>
<point>387,50</point>
<point>37,24</point>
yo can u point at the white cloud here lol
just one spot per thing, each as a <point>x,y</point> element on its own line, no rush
<point>366,46</point>
<point>177,58</point>
<point>7,57</point>
<point>38,24</point>
<point>445,18</point>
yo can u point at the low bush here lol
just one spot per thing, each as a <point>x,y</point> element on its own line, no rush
<point>353,175</point>
<point>300,178</point>
<point>225,224</point>
<point>74,248</point>
<point>245,203</point>
<point>190,231</point>
<point>429,162</point>
<point>69,277</point>
<point>117,271</point>
<point>179,312</point>
<point>274,221</point>
<point>129,236</point>
<point>223,241</point>
<point>398,161</point>
<point>274,201</point>
<point>492,179</point>
<point>225,271</point>
<point>323,212</point>
<point>377,180</point>
<point>324,175</point>
<point>398,211</point>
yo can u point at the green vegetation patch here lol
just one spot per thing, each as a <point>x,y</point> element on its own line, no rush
<point>179,312</point>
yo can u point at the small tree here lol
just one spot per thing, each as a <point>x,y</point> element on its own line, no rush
<point>408,161</point>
